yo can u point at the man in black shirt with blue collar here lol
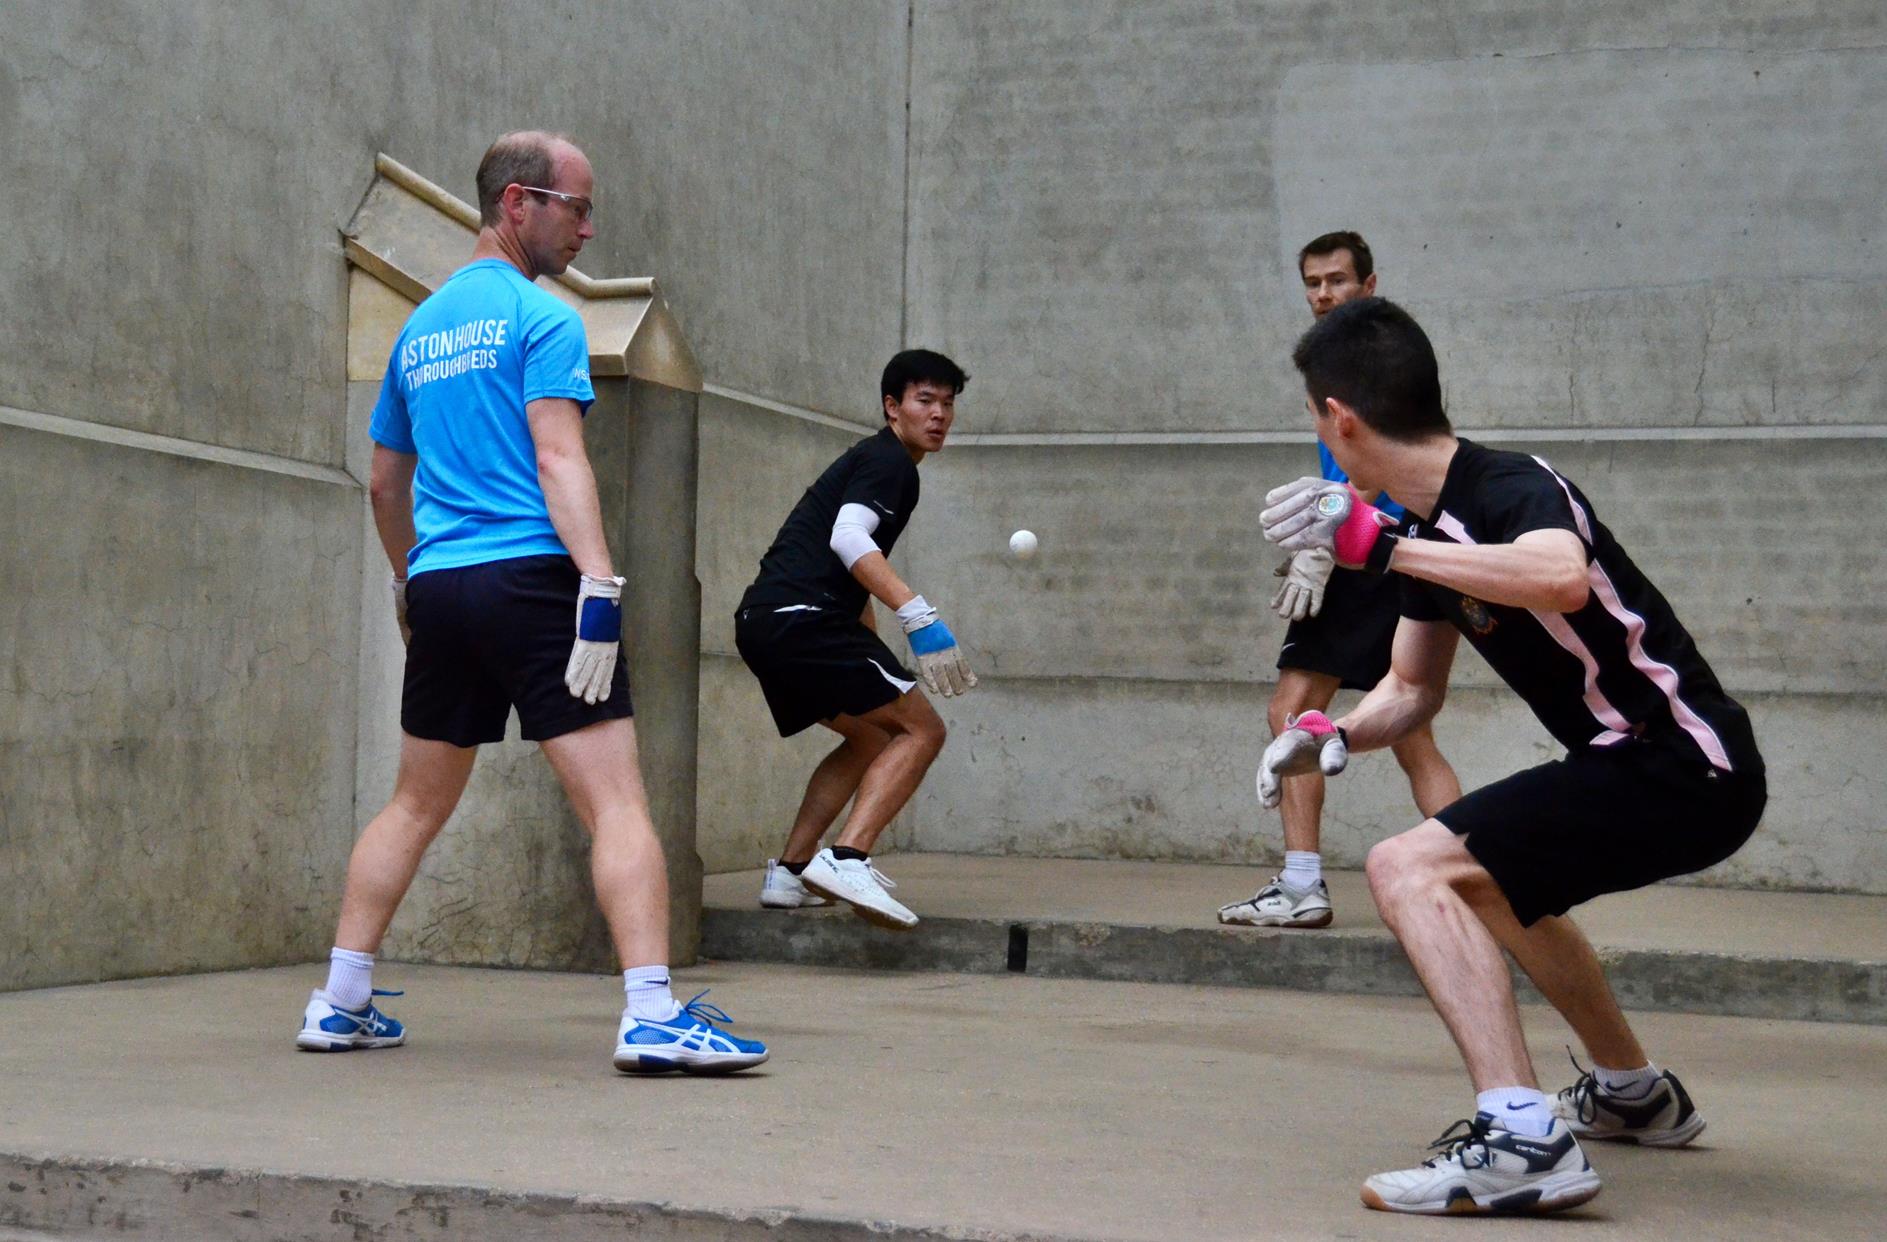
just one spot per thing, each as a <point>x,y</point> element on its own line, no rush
<point>1662,775</point>
<point>806,630</point>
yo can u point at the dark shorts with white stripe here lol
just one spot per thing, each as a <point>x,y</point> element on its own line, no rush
<point>1606,819</point>
<point>814,664</point>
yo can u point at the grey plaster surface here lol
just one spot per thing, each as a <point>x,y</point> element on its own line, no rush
<point>981,1105</point>
<point>1117,768</point>
<point>176,726</point>
<point>757,167</point>
<point>1789,955</point>
<point>1613,216</point>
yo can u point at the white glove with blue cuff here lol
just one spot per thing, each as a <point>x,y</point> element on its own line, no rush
<point>939,659</point>
<point>599,636</point>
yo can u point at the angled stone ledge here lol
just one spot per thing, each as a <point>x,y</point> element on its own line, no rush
<point>410,234</point>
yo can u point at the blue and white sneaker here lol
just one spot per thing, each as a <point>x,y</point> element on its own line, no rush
<point>687,1042</point>
<point>326,1027</point>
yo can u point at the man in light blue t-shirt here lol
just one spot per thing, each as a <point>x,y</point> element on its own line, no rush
<point>487,509</point>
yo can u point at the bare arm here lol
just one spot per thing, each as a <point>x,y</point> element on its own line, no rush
<point>563,469</point>
<point>875,574</point>
<point>390,490</point>
<point>1542,569</point>
<point>869,618</point>
<point>1411,692</point>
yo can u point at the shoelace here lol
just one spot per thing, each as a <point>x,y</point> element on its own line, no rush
<point>1452,1144</point>
<point>872,868</point>
<point>701,1011</point>
<point>1582,1094</point>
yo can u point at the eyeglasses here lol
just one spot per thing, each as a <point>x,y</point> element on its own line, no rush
<point>579,204</point>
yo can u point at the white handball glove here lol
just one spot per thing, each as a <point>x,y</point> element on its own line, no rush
<point>599,636</point>
<point>939,659</point>
<point>1308,741</point>
<point>1305,575</point>
<point>1333,517</point>
<point>399,610</point>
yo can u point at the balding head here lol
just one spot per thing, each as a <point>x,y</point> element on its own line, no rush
<point>526,157</point>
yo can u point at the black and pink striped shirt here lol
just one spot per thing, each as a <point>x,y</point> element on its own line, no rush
<point>1621,666</point>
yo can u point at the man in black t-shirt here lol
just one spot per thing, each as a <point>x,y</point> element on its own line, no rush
<point>806,630</point>
<point>1662,775</point>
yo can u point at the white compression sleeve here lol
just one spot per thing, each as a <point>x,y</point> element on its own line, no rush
<point>851,534</point>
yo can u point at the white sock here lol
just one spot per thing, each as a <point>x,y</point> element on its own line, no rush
<point>350,978</point>
<point>1523,1110</point>
<point>1302,869</point>
<point>1630,1083</point>
<point>649,997</point>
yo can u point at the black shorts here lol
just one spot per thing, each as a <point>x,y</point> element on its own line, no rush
<point>814,664</point>
<point>1606,819</point>
<point>1350,636</point>
<point>487,638</point>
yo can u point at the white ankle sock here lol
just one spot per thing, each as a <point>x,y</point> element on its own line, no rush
<point>1630,1083</point>
<point>350,978</point>
<point>1523,1110</point>
<point>647,990</point>
<point>1302,869</point>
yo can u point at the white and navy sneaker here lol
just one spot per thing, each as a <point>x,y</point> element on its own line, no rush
<point>687,1042</point>
<point>782,890</point>
<point>1277,905</point>
<point>860,885</point>
<point>326,1027</point>
<point>1662,1117</point>
<point>1483,1168</point>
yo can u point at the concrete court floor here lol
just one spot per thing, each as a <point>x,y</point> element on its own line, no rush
<point>999,1103</point>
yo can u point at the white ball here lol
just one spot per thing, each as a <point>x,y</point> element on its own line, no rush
<point>1022,545</point>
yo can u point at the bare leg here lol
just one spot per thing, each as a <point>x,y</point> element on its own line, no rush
<point>1431,779</point>
<point>603,779</point>
<point>833,783</point>
<point>1434,896</point>
<point>915,737</point>
<point>1559,959</point>
<point>1302,807</point>
<point>386,857</point>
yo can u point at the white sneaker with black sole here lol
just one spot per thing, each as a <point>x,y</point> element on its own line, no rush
<point>1482,1168</point>
<point>782,890</point>
<point>1276,905</point>
<point>859,885</point>
<point>1662,1117</point>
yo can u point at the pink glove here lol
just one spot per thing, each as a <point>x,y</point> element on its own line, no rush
<point>1332,516</point>
<point>1308,741</point>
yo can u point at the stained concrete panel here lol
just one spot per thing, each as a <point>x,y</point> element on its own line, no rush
<point>176,710</point>
<point>1105,208</point>
<point>1152,564</point>
<point>1111,768</point>
<point>1614,237</point>
<point>193,163</point>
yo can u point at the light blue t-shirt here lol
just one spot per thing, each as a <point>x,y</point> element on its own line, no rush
<point>464,366</point>
<point>1335,474</point>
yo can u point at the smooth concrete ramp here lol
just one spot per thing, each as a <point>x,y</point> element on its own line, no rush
<point>1697,950</point>
<point>897,1106</point>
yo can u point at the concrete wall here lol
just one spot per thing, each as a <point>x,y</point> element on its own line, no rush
<point>177,710</point>
<point>1648,242</point>
<point>1617,222</point>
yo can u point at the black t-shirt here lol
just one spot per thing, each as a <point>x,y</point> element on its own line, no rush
<point>1622,665</point>
<point>801,567</point>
